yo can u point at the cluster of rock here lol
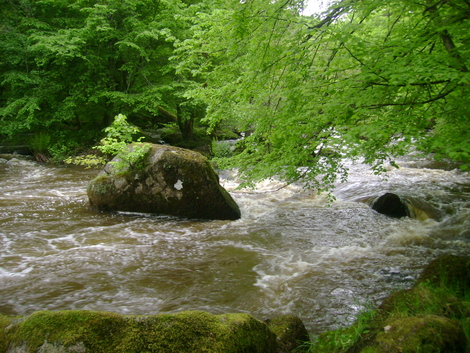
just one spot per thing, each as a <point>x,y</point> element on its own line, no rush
<point>430,317</point>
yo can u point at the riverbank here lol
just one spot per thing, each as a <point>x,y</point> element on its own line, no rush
<point>432,316</point>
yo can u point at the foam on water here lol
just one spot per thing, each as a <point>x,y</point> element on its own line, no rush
<point>292,252</point>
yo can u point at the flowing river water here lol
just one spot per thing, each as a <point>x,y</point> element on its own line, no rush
<point>292,252</point>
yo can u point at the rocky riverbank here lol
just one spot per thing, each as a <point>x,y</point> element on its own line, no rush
<point>432,316</point>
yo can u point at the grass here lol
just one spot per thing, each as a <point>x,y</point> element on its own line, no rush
<point>433,316</point>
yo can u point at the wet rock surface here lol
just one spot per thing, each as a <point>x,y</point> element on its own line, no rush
<point>91,331</point>
<point>171,181</point>
<point>399,206</point>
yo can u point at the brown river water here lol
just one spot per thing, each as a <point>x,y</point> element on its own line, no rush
<point>292,252</point>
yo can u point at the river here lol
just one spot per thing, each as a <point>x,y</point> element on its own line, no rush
<point>292,252</point>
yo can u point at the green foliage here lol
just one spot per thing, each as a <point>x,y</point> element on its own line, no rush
<point>76,63</point>
<point>119,135</point>
<point>40,142</point>
<point>130,158</point>
<point>344,339</point>
<point>221,149</point>
<point>370,80</point>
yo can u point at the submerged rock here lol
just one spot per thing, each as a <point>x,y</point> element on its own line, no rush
<point>399,206</point>
<point>91,331</point>
<point>391,205</point>
<point>169,180</point>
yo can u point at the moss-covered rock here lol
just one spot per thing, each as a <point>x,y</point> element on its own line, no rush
<point>291,333</point>
<point>429,333</point>
<point>432,316</point>
<point>448,271</point>
<point>90,331</point>
<point>169,180</point>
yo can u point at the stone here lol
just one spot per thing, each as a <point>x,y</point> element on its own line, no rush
<point>391,205</point>
<point>449,271</point>
<point>83,331</point>
<point>428,333</point>
<point>170,180</point>
<point>292,336</point>
<point>399,206</point>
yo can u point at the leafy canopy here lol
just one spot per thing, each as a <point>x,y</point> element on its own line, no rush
<point>370,79</point>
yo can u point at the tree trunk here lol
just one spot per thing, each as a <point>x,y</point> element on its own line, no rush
<point>185,121</point>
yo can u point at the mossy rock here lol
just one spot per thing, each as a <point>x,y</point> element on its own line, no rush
<point>432,316</point>
<point>430,334</point>
<point>291,333</point>
<point>168,180</point>
<point>91,331</point>
<point>448,271</point>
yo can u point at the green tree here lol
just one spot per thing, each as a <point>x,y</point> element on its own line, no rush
<point>370,80</point>
<point>75,64</point>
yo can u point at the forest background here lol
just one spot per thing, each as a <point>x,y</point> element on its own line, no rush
<point>366,79</point>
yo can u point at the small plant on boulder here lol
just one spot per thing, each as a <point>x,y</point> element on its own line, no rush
<point>118,137</point>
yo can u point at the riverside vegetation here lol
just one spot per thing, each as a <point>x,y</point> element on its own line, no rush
<point>376,78</point>
<point>433,316</point>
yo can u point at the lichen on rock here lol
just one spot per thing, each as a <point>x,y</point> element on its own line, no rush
<point>169,180</point>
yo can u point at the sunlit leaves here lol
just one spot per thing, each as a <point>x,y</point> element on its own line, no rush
<point>369,80</point>
<point>85,60</point>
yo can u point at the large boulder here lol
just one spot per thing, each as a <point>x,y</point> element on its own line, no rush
<point>91,331</point>
<point>169,180</point>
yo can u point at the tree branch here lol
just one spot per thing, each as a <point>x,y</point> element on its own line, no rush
<point>436,98</point>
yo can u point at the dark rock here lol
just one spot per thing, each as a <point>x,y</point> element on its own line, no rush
<point>391,205</point>
<point>16,149</point>
<point>170,180</point>
<point>292,336</point>
<point>399,206</point>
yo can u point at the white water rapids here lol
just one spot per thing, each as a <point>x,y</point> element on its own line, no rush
<point>290,253</point>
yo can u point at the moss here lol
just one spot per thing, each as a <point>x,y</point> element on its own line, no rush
<point>433,316</point>
<point>291,333</point>
<point>101,185</point>
<point>95,330</point>
<point>448,271</point>
<point>89,331</point>
<point>426,299</point>
<point>4,323</point>
<point>425,334</point>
